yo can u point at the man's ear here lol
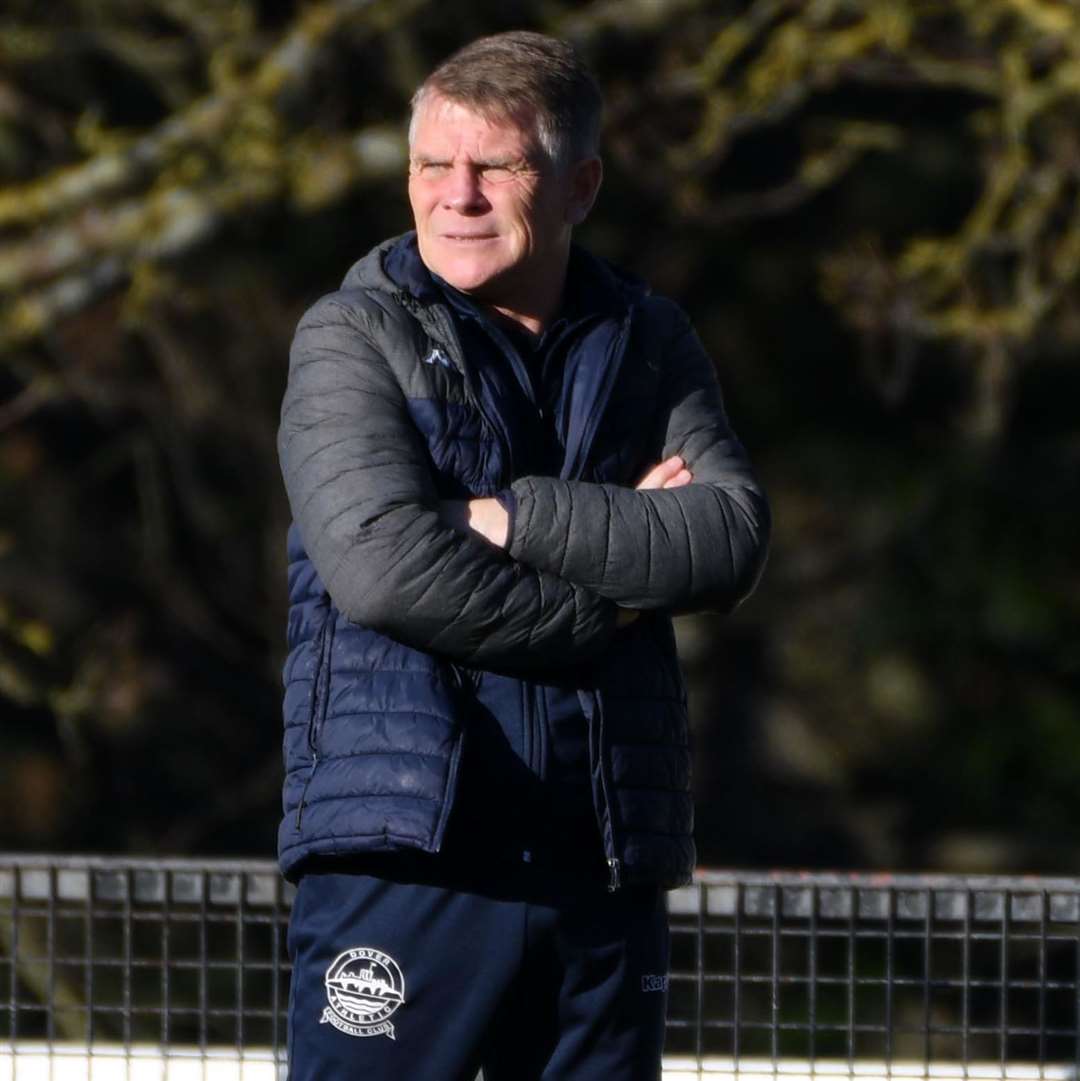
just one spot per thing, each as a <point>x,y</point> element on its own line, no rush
<point>584,185</point>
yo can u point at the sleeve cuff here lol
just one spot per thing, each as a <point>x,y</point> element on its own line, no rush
<point>508,502</point>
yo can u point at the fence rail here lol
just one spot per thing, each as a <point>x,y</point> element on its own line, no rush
<point>117,968</point>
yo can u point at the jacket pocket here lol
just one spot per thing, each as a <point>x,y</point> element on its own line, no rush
<point>463,695</point>
<point>320,696</point>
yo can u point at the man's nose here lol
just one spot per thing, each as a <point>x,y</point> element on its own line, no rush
<point>463,191</point>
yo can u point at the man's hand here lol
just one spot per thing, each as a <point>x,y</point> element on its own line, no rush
<point>670,473</point>
<point>485,516</point>
<point>488,517</point>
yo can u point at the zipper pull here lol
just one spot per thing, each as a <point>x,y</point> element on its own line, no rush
<point>615,874</point>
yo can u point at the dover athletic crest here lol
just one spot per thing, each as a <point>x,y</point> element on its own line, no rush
<point>364,987</point>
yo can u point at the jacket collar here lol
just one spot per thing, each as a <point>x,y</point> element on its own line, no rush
<point>594,286</point>
<point>592,364</point>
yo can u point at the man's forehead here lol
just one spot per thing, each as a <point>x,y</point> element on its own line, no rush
<point>452,120</point>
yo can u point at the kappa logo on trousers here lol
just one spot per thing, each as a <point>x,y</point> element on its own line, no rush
<point>364,986</point>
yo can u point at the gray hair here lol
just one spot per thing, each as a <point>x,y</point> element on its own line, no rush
<point>531,79</point>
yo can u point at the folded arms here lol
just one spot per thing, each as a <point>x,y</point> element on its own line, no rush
<point>360,485</point>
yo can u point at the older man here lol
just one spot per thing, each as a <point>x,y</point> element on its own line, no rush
<point>508,467</point>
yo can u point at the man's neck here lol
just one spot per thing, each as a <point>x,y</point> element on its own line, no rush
<point>535,303</point>
<point>516,323</point>
<point>535,320</point>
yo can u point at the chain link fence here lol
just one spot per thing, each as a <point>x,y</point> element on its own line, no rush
<point>176,969</point>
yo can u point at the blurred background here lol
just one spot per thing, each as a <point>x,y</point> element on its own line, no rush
<point>870,209</point>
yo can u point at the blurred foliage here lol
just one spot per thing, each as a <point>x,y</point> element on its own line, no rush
<point>871,210</point>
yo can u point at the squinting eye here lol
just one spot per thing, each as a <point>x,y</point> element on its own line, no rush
<point>498,174</point>
<point>432,170</point>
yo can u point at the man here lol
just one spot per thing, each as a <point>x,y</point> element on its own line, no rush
<point>508,467</point>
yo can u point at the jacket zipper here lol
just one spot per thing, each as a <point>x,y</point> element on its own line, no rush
<point>605,814</point>
<point>533,723</point>
<point>524,693</point>
<point>325,643</point>
<point>540,731</point>
<point>451,338</point>
<point>614,874</point>
<point>574,467</point>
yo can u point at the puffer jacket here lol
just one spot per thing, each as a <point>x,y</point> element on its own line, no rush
<point>393,612</point>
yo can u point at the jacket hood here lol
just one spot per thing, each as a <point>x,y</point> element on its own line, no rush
<point>368,271</point>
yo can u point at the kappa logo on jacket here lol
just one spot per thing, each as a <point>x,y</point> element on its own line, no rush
<point>437,356</point>
<point>364,986</point>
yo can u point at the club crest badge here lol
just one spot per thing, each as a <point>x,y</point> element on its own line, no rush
<point>364,987</point>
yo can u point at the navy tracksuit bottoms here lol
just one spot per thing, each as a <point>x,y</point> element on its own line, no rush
<point>403,975</point>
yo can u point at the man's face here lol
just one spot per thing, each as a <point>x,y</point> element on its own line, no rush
<point>493,215</point>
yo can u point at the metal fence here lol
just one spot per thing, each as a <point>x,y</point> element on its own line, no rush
<point>177,969</point>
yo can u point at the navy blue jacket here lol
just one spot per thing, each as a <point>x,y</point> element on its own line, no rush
<point>393,613</point>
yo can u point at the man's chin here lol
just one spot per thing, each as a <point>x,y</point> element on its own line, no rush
<point>472,279</point>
